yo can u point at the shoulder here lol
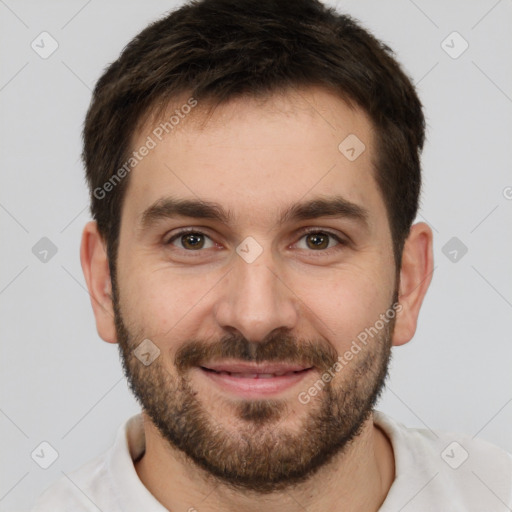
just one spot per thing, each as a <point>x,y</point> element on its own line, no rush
<point>76,492</point>
<point>108,482</point>
<point>97,484</point>
<point>471,473</point>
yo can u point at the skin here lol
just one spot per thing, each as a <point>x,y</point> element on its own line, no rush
<point>255,159</point>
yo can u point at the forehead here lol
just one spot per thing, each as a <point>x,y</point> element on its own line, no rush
<point>256,157</point>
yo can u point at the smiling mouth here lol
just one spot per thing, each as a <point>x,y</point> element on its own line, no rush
<point>252,381</point>
<point>252,375</point>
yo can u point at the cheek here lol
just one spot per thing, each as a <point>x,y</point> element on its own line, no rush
<point>163,303</point>
<point>348,302</point>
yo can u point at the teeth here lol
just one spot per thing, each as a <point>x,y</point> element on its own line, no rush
<point>242,375</point>
<point>255,375</point>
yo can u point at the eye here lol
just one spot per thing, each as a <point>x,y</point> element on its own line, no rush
<point>191,240</point>
<point>320,240</point>
<point>314,239</point>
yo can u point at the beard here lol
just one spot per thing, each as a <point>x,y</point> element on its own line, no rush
<point>259,454</point>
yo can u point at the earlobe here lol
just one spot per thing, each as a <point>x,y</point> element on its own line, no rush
<point>415,277</point>
<point>94,260</point>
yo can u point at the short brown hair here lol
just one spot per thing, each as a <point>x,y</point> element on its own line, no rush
<point>217,50</point>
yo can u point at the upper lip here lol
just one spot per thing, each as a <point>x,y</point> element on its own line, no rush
<point>255,368</point>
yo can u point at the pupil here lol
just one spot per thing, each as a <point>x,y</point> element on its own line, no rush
<point>318,239</point>
<point>193,240</point>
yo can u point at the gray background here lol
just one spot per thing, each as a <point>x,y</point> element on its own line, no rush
<point>62,384</point>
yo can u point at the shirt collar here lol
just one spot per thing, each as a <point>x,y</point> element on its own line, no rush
<point>129,445</point>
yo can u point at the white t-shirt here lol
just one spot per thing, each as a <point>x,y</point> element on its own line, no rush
<point>435,471</point>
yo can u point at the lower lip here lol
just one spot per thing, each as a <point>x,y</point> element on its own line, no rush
<point>255,387</point>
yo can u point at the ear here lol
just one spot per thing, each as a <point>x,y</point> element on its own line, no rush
<point>93,257</point>
<point>415,276</point>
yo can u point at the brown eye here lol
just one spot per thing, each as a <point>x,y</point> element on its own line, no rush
<point>320,241</point>
<point>190,240</point>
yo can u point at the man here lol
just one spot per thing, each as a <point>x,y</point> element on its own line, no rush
<point>254,174</point>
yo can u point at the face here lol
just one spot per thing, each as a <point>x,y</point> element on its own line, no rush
<point>268,304</point>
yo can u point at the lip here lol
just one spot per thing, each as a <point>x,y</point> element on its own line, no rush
<point>241,367</point>
<point>256,383</point>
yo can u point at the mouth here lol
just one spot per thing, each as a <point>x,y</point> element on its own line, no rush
<point>253,381</point>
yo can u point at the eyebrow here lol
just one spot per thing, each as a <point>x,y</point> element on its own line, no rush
<point>331,206</point>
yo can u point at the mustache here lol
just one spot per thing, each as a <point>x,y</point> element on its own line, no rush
<point>278,347</point>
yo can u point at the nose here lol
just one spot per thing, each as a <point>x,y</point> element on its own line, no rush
<point>256,300</point>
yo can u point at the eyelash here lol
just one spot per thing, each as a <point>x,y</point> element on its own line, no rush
<point>303,233</point>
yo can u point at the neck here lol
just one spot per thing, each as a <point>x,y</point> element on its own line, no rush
<point>356,480</point>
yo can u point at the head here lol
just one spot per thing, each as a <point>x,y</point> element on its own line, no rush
<point>286,140</point>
